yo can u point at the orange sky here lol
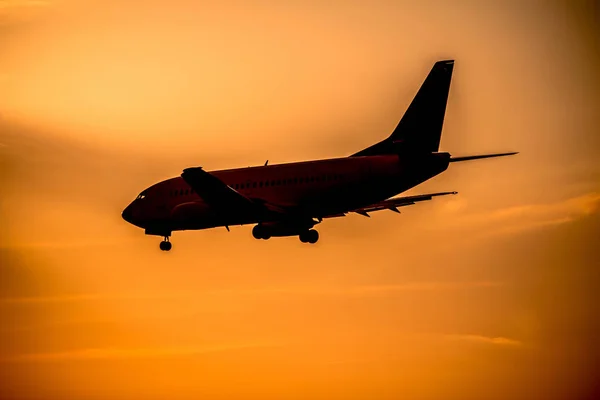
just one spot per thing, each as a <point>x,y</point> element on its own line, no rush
<point>488,294</point>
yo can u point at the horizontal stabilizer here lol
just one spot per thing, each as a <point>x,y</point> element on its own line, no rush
<point>468,158</point>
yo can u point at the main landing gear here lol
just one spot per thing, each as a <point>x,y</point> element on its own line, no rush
<point>266,232</point>
<point>260,233</point>
<point>311,236</point>
<point>165,245</point>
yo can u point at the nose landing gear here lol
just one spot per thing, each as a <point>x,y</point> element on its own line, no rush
<point>165,245</point>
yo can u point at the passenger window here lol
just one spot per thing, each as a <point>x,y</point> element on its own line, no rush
<point>295,181</point>
<point>260,184</point>
<point>266,183</point>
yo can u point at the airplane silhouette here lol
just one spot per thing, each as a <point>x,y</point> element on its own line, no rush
<point>290,199</point>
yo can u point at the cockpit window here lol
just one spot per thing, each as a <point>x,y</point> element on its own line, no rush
<point>141,196</point>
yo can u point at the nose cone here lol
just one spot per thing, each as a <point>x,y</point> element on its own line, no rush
<point>128,214</point>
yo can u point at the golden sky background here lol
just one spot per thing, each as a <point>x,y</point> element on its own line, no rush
<point>490,294</point>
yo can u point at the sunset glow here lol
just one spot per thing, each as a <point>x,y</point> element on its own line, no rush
<point>489,294</point>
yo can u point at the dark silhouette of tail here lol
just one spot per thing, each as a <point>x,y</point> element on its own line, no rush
<point>420,129</point>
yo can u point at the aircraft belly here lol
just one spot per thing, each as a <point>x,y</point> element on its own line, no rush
<point>199,215</point>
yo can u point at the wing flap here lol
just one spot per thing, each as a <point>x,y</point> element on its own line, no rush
<point>393,203</point>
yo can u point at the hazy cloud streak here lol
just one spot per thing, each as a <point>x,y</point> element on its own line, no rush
<point>299,290</point>
<point>525,217</point>
<point>131,353</point>
<point>495,340</point>
<point>8,4</point>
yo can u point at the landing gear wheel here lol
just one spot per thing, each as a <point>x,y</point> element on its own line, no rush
<point>310,236</point>
<point>313,236</point>
<point>259,233</point>
<point>165,245</point>
<point>303,237</point>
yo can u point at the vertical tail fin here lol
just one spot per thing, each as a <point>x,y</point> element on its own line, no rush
<point>420,129</point>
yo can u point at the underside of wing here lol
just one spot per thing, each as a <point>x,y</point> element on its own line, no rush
<point>393,203</point>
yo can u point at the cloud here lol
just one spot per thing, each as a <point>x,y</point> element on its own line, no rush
<point>497,340</point>
<point>8,4</point>
<point>65,298</point>
<point>576,206</point>
<point>131,353</point>
<point>526,217</point>
<point>365,290</point>
<point>77,243</point>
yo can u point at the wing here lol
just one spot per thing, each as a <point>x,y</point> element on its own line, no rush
<point>393,203</point>
<point>218,195</point>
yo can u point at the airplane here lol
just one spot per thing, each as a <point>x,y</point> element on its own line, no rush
<point>290,199</point>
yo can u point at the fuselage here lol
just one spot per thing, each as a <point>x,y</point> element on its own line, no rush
<point>317,189</point>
